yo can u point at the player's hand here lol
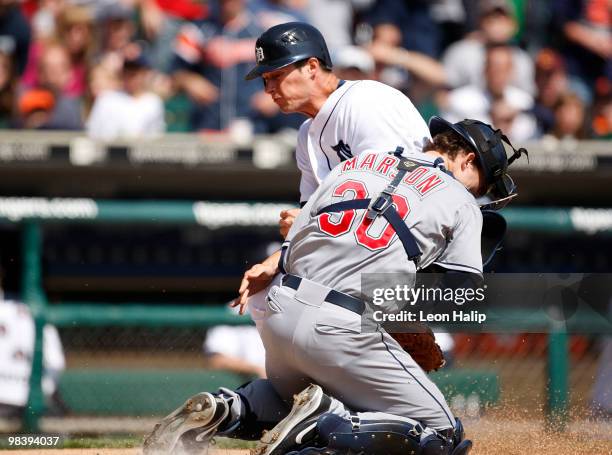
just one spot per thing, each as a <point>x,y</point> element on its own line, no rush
<point>256,279</point>
<point>287,217</point>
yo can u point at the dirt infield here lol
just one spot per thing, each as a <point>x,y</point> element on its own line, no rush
<point>510,437</point>
<point>108,452</point>
<point>491,437</point>
<point>525,444</point>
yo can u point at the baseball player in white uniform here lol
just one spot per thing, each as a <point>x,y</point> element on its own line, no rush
<point>376,212</point>
<point>345,118</point>
<point>358,115</point>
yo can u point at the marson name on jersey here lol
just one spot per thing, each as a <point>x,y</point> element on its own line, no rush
<point>423,179</point>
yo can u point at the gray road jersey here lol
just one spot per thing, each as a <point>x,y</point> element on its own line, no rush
<point>334,249</point>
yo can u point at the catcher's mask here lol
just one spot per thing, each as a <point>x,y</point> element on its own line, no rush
<point>495,153</point>
<point>288,43</point>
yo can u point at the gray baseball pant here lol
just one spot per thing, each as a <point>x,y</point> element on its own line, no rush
<point>310,340</point>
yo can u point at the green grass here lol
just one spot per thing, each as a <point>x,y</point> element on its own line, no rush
<point>227,443</point>
<point>73,442</point>
<point>127,442</point>
<point>105,442</point>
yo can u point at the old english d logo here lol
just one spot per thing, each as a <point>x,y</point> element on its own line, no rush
<point>259,55</point>
<point>343,150</point>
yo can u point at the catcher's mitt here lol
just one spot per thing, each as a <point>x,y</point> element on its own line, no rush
<point>422,347</point>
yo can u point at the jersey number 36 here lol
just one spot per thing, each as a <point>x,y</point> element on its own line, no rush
<point>363,235</point>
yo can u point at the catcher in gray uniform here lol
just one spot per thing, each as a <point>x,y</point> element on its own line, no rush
<point>377,212</point>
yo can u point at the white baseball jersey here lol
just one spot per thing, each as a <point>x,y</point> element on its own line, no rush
<point>240,341</point>
<point>357,116</point>
<point>16,350</point>
<point>334,249</point>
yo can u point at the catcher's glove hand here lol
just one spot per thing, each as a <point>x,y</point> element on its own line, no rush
<point>421,344</point>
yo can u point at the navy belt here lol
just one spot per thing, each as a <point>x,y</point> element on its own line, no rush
<point>335,297</point>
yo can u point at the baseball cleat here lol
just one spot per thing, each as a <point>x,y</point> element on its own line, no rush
<point>200,417</point>
<point>299,427</point>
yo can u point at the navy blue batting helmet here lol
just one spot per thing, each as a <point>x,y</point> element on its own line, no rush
<point>288,43</point>
<point>489,145</point>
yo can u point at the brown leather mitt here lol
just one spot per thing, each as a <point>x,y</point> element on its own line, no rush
<point>422,347</point>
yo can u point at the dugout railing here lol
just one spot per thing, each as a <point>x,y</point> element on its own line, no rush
<point>33,214</point>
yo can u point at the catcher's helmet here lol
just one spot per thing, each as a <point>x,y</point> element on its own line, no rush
<point>490,147</point>
<point>288,43</point>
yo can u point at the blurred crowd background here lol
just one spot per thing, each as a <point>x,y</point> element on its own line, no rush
<point>138,68</point>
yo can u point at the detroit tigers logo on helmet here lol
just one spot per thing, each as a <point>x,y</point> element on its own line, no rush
<point>288,43</point>
<point>259,54</point>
